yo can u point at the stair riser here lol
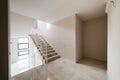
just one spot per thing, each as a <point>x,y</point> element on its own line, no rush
<point>50,48</point>
<point>51,55</point>
<point>51,51</point>
<point>52,59</point>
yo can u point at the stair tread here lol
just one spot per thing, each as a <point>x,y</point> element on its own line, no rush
<point>53,56</point>
<point>49,51</point>
<point>52,53</point>
<point>49,48</point>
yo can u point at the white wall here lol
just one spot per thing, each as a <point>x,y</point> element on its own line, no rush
<point>79,27</point>
<point>13,48</point>
<point>61,36</point>
<point>114,42</point>
<point>95,38</point>
<point>20,26</point>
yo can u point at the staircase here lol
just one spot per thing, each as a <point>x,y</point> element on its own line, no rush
<point>46,50</point>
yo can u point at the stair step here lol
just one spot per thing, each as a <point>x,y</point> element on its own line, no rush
<point>44,48</point>
<point>49,47</point>
<point>51,54</point>
<point>48,44</point>
<point>51,50</point>
<point>53,58</point>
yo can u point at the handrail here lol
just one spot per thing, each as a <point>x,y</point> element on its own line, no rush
<point>41,45</point>
<point>45,45</point>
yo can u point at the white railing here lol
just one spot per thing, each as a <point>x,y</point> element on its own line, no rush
<point>41,45</point>
<point>37,70</point>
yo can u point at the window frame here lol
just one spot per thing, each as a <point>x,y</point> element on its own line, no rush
<point>21,44</point>
<point>23,49</point>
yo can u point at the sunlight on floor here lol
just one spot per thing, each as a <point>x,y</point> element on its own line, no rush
<point>25,64</point>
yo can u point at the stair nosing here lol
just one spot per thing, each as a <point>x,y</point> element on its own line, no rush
<point>53,56</point>
<point>52,53</point>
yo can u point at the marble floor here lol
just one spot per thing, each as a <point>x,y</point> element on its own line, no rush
<point>86,69</point>
<point>26,64</point>
<point>63,69</point>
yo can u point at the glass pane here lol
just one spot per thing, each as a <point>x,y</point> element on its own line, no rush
<point>23,46</point>
<point>22,40</point>
<point>23,52</point>
<point>23,57</point>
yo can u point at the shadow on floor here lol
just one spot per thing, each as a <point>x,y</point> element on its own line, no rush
<point>93,63</point>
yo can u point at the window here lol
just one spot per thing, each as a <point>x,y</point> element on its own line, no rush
<point>24,52</point>
<point>23,40</point>
<point>23,48</point>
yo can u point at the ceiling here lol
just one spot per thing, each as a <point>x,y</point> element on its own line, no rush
<point>54,10</point>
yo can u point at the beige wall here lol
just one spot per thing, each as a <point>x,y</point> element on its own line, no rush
<point>79,25</point>
<point>114,41</point>
<point>61,35</point>
<point>95,38</point>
